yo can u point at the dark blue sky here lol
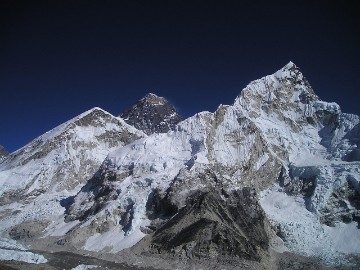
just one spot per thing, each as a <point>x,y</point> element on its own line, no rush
<point>60,58</point>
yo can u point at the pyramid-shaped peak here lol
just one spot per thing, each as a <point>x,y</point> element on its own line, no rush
<point>290,71</point>
<point>285,88</point>
<point>93,110</point>
<point>152,114</point>
<point>290,65</point>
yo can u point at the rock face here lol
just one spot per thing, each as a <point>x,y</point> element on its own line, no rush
<point>217,185</point>
<point>3,153</point>
<point>202,228</point>
<point>152,114</point>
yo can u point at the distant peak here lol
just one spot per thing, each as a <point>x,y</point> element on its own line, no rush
<point>151,95</point>
<point>152,114</point>
<point>154,99</point>
<point>289,66</point>
<point>290,70</point>
<point>92,111</point>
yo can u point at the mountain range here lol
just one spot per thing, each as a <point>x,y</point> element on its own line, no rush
<point>269,182</point>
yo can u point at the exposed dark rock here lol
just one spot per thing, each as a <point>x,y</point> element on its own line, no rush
<point>159,205</point>
<point>28,230</point>
<point>100,195</point>
<point>3,153</point>
<point>343,205</point>
<point>211,225</point>
<point>152,114</point>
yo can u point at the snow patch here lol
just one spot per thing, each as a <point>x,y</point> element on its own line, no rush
<point>23,256</point>
<point>84,267</point>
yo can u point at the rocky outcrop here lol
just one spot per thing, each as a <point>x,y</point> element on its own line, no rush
<point>343,204</point>
<point>3,153</point>
<point>152,114</point>
<point>215,224</point>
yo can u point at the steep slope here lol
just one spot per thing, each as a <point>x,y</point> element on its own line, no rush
<point>3,153</point>
<point>152,114</point>
<point>291,116</point>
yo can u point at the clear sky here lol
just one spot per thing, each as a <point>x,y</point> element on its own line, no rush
<point>60,58</point>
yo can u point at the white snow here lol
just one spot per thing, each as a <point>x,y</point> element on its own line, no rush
<point>344,237</point>
<point>303,233</point>
<point>24,256</point>
<point>6,243</point>
<point>114,239</point>
<point>60,228</point>
<point>84,267</point>
<point>11,250</point>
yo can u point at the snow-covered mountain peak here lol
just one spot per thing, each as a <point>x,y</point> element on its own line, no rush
<point>152,114</point>
<point>67,155</point>
<point>290,65</point>
<point>289,113</point>
<point>286,92</point>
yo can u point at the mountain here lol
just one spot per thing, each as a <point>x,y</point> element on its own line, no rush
<point>278,139</point>
<point>152,114</point>
<point>64,158</point>
<point>277,171</point>
<point>3,153</point>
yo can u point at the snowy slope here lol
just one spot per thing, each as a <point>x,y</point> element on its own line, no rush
<point>66,156</point>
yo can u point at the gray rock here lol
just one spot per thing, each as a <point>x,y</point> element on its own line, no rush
<point>3,153</point>
<point>215,224</point>
<point>152,114</point>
